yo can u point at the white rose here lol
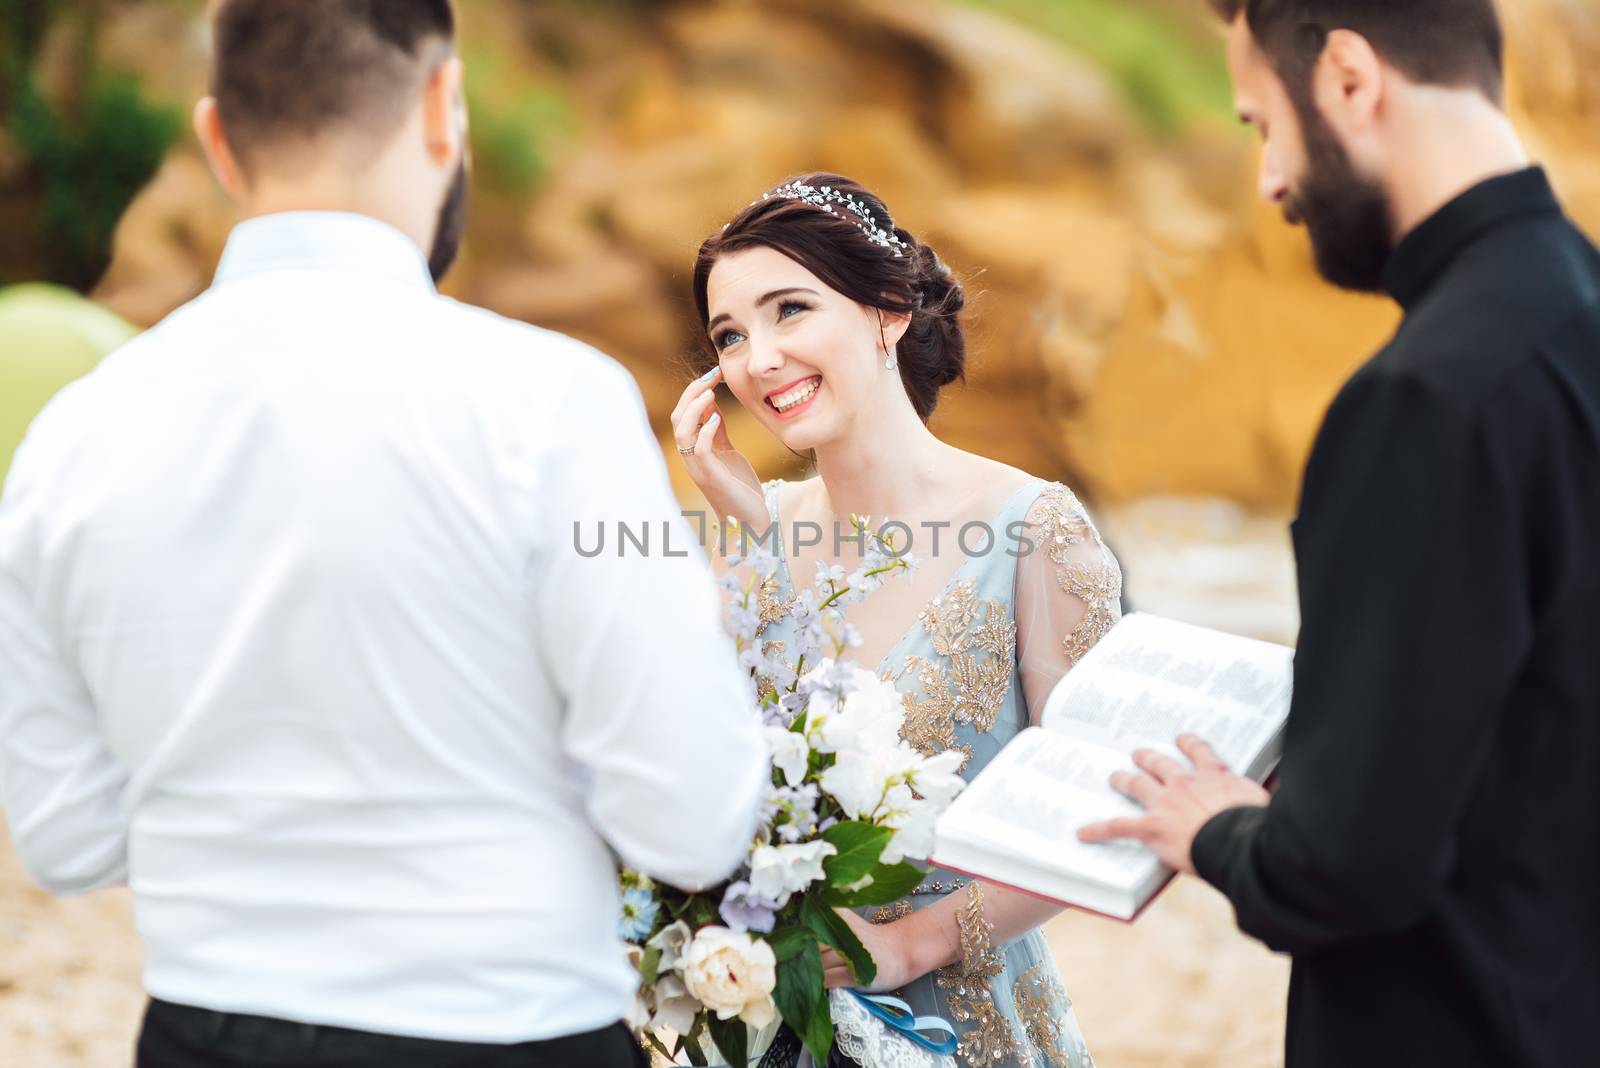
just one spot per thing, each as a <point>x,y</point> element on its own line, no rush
<point>790,753</point>
<point>778,871</point>
<point>732,974</point>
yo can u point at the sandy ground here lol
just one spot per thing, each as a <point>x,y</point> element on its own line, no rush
<point>1179,989</point>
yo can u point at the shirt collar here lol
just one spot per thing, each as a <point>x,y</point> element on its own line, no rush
<point>1424,254</point>
<point>322,240</point>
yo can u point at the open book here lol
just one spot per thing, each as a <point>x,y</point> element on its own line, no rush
<point>1141,686</point>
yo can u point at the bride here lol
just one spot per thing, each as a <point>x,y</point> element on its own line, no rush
<point>838,329</point>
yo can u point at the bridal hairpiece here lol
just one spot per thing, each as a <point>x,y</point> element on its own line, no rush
<point>825,197</point>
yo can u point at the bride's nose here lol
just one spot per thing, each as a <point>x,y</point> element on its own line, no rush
<point>766,355</point>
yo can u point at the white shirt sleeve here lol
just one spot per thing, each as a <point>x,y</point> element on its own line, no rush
<point>59,782</point>
<point>657,713</point>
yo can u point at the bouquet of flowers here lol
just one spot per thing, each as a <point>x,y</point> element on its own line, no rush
<point>849,801</point>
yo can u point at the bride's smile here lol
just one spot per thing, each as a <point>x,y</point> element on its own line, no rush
<point>789,401</point>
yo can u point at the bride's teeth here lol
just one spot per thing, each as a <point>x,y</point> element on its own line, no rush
<point>796,396</point>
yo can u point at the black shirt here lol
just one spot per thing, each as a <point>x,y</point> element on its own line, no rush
<point>1432,855</point>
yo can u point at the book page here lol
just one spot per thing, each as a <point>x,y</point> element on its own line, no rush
<point>1034,796</point>
<point>1152,679</point>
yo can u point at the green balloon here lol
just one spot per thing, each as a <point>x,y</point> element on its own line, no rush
<point>49,336</point>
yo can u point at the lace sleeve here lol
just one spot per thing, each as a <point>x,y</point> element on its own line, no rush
<point>1068,595</point>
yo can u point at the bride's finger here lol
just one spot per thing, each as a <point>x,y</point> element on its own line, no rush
<point>703,384</point>
<point>837,977</point>
<point>705,443</point>
<point>686,428</point>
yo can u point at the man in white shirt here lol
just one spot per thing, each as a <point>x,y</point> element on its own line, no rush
<point>295,636</point>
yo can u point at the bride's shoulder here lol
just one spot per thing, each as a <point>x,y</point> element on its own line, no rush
<point>786,497</point>
<point>1042,495</point>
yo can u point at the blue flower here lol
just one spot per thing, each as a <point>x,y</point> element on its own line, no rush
<point>639,908</point>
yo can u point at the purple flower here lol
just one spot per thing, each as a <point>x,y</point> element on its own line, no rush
<point>745,910</point>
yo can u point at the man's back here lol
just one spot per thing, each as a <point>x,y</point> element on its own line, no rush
<point>308,547</point>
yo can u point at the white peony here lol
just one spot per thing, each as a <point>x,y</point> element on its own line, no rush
<point>870,718</point>
<point>732,974</point>
<point>790,753</point>
<point>781,870</point>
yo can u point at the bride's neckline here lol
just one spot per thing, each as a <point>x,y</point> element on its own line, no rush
<point>1034,485</point>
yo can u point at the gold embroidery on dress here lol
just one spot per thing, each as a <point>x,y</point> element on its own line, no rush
<point>1098,586</point>
<point>971,689</point>
<point>947,617</point>
<point>890,913</point>
<point>991,1040</point>
<point>766,690</point>
<point>769,606</point>
<point>1040,1000</point>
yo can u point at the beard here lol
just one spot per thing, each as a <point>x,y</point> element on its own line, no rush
<point>1346,213</point>
<point>451,227</point>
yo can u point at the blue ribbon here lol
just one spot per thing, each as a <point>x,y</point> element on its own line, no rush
<point>898,1015</point>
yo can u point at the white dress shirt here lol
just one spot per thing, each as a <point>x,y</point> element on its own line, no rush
<point>295,639</point>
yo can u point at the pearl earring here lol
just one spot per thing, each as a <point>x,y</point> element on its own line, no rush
<point>889,359</point>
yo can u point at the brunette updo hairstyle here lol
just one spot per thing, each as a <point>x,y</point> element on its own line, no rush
<point>933,352</point>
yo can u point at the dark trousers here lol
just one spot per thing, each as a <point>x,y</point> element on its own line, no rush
<point>180,1036</point>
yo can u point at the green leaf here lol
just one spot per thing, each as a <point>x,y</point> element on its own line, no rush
<point>818,1035</point>
<point>800,988</point>
<point>731,1038</point>
<point>789,942</point>
<point>889,883</point>
<point>650,965</point>
<point>691,1045</point>
<point>859,846</point>
<point>830,927</point>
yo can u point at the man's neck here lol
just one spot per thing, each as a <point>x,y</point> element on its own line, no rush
<point>1456,142</point>
<point>331,194</point>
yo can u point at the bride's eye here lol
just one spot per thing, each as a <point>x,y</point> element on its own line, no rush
<point>727,338</point>
<point>788,307</point>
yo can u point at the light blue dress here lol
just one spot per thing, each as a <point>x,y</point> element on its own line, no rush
<point>959,668</point>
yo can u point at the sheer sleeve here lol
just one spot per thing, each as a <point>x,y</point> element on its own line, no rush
<point>1068,592</point>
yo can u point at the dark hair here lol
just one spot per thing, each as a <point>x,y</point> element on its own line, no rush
<point>289,69</point>
<point>1456,43</point>
<point>933,352</point>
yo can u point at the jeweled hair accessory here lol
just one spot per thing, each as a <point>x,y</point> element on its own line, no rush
<point>825,197</point>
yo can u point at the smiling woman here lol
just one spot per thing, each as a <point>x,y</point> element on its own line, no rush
<point>833,231</point>
<point>837,329</point>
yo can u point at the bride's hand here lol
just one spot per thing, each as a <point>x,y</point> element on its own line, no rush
<point>889,951</point>
<point>723,474</point>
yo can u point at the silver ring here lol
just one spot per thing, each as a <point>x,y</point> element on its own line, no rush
<point>686,452</point>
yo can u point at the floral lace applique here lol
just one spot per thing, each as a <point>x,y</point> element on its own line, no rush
<point>1041,1002</point>
<point>962,687</point>
<point>991,1041</point>
<point>1098,586</point>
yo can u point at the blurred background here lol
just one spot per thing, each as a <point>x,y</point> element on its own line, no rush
<point>1140,326</point>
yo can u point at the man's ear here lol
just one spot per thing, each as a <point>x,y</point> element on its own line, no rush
<point>214,142</point>
<point>444,113</point>
<point>1349,82</point>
